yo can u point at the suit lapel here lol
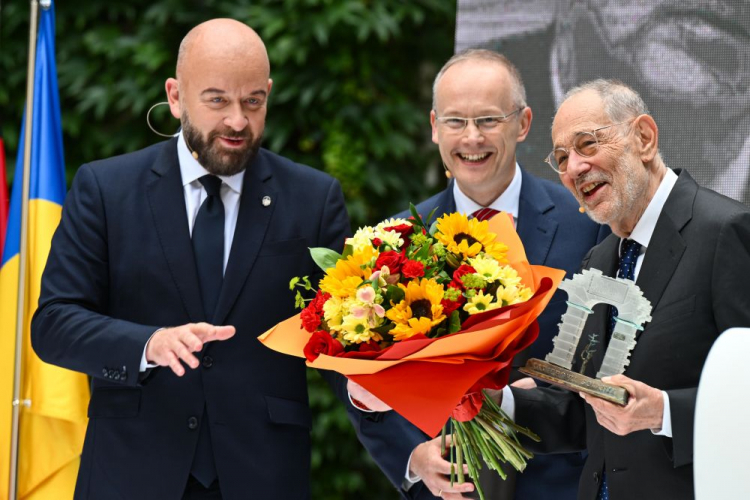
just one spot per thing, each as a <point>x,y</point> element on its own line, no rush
<point>534,228</point>
<point>166,200</point>
<point>445,203</point>
<point>667,245</point>
<point>253,220</point>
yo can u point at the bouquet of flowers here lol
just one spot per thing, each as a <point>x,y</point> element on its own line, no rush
<point>426,318</point>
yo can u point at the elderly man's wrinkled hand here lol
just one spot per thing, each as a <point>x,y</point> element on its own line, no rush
<point>645,408</point>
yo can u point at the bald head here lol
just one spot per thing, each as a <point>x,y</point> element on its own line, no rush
<point>226,40</point>
<point>221,94</point>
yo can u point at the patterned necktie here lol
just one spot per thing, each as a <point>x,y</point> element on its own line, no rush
<point>628,257</point>
<point>208,246</point>
<point>485,213</point>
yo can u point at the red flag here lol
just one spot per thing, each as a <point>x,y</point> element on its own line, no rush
<point>4,200</point>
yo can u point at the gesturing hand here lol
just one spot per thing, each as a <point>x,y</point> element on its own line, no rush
<point>428,463</point>
<point>170,345</point>
<point>644,410</point>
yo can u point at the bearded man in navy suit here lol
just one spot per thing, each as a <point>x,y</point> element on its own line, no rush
<point>479,116</point>
<point>199,231</point>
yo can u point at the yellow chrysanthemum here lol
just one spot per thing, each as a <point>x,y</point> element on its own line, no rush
<point>419,311</point>
<point>513,294</point>
<point>508,276</point>
<point>487,267</point>
<point>343,280</point>
<point>480,303</point>
<point>357,330</point>
<point>333,312</point>
<point>362,239</point>
<point>468,238</point>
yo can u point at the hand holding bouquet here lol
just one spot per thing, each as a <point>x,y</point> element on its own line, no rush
<point>425,318</point>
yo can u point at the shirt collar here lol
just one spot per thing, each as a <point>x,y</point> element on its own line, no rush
<point>191,170</point>
<point>644,229</point>
<point>507,201</point>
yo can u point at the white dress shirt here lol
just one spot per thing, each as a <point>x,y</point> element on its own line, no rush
<point>507,202</point>
<point>195,194</point>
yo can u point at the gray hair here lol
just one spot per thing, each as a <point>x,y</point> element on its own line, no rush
<point>518,91</point>
<point>621,102</point>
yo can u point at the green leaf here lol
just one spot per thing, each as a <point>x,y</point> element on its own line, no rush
<point>394,294</point>
<point>325,258</point>
<point>455,322</point>
<point>293,282</point>
<point>348,250</point>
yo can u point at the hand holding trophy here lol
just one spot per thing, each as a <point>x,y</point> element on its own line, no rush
<point>585,290</point>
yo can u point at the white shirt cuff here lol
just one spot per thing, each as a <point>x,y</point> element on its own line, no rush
<point>351,400</point>
<point>508,405</point>
<point>409,478</point>
<point>666,419</point>
<point>145,365</point>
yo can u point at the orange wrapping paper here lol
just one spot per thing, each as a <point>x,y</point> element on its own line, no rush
<point>430,376</point>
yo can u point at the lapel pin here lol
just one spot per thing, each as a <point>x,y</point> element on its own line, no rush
<point>266,201</point>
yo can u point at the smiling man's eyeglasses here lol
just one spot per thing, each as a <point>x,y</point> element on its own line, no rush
<point>586,144</point>
<point>457,124</point>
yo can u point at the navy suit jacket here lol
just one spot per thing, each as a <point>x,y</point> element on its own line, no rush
<point>122,266</point>
<point>695,274</point>
<point>554,234</point>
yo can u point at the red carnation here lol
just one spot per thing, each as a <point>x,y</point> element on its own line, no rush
<point>310,317</point>
<point>377,242</point>
<point>319,300</point>
<point>413,269</point>
<point>461,271</point>
<point>322,343</point>
<point>403,229</point>
<point>392,259</point>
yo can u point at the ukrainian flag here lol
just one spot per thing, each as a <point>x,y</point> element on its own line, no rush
<point>53,425</point>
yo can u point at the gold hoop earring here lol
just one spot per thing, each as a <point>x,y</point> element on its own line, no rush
<point>148,121</point>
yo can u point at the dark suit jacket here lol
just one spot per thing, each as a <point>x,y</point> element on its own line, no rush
<point>695,274</point>
<point>122,265</point>
<point>554,234</point>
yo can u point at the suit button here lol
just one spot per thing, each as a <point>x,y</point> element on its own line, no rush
<point>596,478</point>
<point>193,423</point>
<point>207,361</point>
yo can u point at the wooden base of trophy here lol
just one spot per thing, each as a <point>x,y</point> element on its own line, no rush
<point>572,381</point>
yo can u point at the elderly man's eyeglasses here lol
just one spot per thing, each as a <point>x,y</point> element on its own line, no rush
<point>586,144</point>
<point>458,124</point>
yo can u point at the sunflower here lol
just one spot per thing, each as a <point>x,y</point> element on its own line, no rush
<point>467,238</point>
<point>420,310</point>
<point>349,273</point>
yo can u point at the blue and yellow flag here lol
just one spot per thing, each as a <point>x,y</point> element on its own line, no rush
<point>53,423</point>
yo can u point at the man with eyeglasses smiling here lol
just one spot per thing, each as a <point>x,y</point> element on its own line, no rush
<point>479,117</point>
<point>692,259</point>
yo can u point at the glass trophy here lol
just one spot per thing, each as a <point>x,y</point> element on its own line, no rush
<point>584,291</point>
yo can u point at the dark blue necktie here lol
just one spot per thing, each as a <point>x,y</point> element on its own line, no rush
<point>208,247</point>
<point>208,244</point>
<point>628,257</point>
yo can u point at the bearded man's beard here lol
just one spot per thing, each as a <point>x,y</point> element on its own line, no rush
<point>214,158</point>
